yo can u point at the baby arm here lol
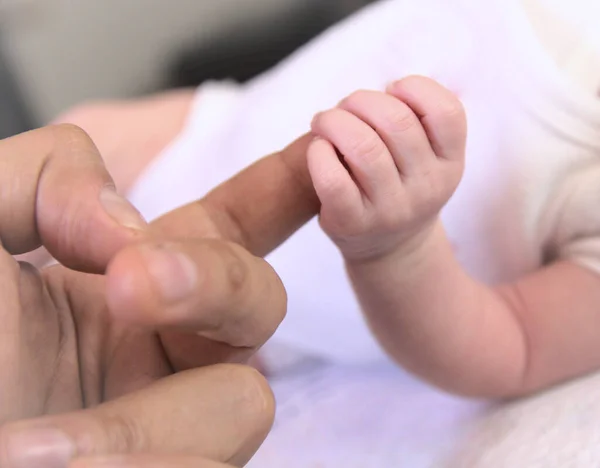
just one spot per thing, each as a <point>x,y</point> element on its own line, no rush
<point>383,166</point>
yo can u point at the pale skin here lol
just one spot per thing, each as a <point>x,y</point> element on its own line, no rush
<point>403,157</point>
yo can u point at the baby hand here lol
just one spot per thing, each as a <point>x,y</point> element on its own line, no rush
<point>384,165</point>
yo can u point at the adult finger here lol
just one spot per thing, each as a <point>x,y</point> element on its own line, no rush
<point>259,208</point>
<point>222,413</point>
<point>56,192</point>
<point>211,288</point>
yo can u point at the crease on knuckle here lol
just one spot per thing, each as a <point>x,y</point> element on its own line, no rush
<point>236,271</point>
<point>256,403</point>
<point>123,434</point>
<point>233,284</point>
<point>368,148</point>
<point>333,184</point>
<point>401,120</point>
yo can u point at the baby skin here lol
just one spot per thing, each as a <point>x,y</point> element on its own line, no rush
<point>383,166</point>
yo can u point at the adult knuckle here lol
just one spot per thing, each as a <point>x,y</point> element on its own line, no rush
<point>256,403</point>
<point>230,273</point>
<point>123,434</point>
<point>236,270</point>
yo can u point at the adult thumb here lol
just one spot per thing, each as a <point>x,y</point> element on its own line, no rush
<point>221,413</point>
<point>56,192</point>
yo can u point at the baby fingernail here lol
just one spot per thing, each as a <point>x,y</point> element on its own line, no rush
<point>38,447</point>
<point>121,210</point>
<point>174,274</point>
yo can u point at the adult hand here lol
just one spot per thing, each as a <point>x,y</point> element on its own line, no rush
<point>137,363</point>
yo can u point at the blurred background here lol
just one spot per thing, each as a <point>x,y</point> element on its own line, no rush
<point>55,54</point>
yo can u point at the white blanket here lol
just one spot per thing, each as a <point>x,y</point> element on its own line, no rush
<point>334,417</point>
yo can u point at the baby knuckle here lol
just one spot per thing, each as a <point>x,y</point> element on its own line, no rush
<point>412,81</point>
<point>451,111</point>
<point>401,120</point>
<point>327,120</point>
<point>334,187</point>
<point>367,146</point>
<point>356,99</point>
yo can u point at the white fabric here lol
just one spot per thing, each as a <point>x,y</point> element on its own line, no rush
<point>569,32</point>
<point>374,417</point>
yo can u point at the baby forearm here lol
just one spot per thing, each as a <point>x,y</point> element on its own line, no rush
<point>441,324</point>
<point>383,166</point>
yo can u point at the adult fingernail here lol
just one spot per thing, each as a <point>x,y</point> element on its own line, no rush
<point>121,210</point>
<point>174,274</point>
<point>38,447</point>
